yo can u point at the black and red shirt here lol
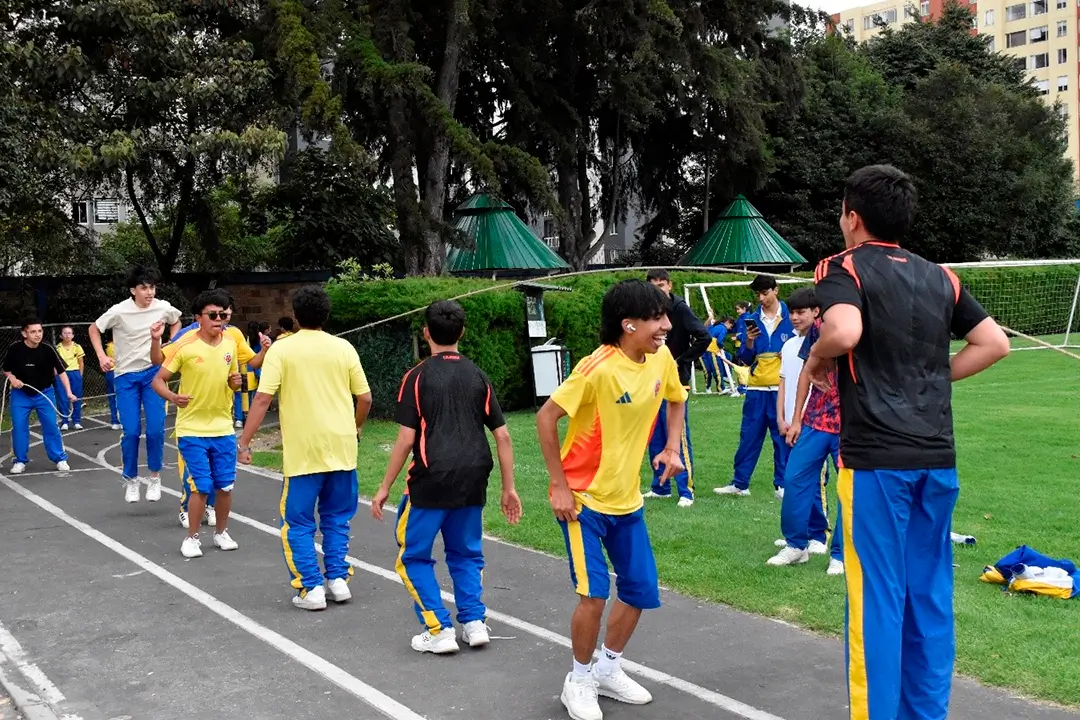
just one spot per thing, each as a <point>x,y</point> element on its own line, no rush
<point>895,385</point>
<point>449,402</point>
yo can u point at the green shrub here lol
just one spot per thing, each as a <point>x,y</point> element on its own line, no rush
<point>1031,300</point>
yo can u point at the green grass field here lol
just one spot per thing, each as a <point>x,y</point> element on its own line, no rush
<point>1017,429</point>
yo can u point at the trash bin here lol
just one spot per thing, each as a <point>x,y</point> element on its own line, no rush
<point>551,365</point>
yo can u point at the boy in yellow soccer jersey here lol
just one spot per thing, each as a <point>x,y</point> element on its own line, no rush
<point>612,399</point>
<point>72,354</point>
<point>110,385</point>
<point>209,374</point>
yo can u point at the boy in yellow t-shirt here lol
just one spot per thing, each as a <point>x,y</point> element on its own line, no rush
<point>72,354</point>
<point>110,386</point>
<point>612,398</point>
<point>209,374</point>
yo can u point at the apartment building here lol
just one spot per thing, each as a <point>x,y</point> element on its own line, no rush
<point>1043,36</point>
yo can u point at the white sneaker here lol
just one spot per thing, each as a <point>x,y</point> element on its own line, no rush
<point>238,424</point>
<point>339,590</point>
<point>780,494</point>
<point>620,686</point>
<point>210,516</point>
<point>653,495</point>
<point>475,633</point>
<point>579,696</point>
<point>64,427</point>
<point>789,556</point>
<point>131,491</point>
<point>313,599</point>
<point>18,468</point>
<point>192,547</point>
<point>153,489</point>
<point>816,547</point>
<point>780,542</point>
<point>183,520</point>
<point>63,466</point>
<point>114,426</point>
<point>224,542</point>
<point>686,502</point>
<point>78,426</point>
<point>442,644</point>
<point>836,567</point>
<point>732,490</point>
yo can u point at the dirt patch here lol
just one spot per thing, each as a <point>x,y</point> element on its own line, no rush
<point>268,440</point>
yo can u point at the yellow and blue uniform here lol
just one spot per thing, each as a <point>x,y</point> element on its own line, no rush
<point>316,376</point>
<point>243,354</point>
<point>612,403</point>
<point>204,428</point>
<point>71,357</point>
<point>759,407</point>
<point>110,386</point>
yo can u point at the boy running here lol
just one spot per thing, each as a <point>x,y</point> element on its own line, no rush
<point>73,356</point>
<point>207,363</point>
<point>612,398</point>
<point>443,407</point>
<point>813,435</point>
<point>130,322</point>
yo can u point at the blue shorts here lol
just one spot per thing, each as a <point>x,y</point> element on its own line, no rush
<point>210,462</point>
<point>626,540</point>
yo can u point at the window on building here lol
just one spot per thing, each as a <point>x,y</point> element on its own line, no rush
<point>1063,111</point>
<point>909,13</point>
<point>1039,7</point>
<point>1015,39</point>
<point>988,19</point>
<point>106,211</point>
<point>1021,63</point>
<point>1063,56</point>
<point>1062,4</point>
<point>851,25</point>
<point>868,21</point>
<point>1062,28</point>
<point>549,228</point>
<point>1040,34</point>
<point>1042,60</point>
<point>991,46</point>
<point>924,8</point>
<point>1063,83</point>
<point>79,213</point>
<point>1042,86</point>
<point>1017,12</point>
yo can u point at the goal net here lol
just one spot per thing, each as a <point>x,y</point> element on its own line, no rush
<point>1036,301</point>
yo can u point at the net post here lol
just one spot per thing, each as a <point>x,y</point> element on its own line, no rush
<point>1072,312</point>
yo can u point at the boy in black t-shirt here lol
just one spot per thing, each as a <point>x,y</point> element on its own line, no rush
<point>443,407</point>
<point>31,367</point>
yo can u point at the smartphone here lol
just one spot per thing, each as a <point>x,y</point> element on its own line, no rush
<point>752,323</point>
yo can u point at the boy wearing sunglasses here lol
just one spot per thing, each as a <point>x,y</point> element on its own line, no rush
<point>208,363</point>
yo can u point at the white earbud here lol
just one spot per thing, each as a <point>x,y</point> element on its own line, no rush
<point>631,328</point>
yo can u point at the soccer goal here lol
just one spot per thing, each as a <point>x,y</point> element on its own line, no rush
<point>1035,300</point>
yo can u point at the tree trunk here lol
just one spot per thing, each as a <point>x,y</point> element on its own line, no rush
<point>410,232</point>
<point>446,88</point>
<point>576,232</point>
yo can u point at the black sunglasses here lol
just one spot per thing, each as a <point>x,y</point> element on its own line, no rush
<point>214,314</point>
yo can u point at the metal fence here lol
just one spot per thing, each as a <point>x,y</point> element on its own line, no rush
<point>93,379</point>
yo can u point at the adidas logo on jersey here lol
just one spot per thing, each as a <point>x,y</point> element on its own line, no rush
<point>624,400</point>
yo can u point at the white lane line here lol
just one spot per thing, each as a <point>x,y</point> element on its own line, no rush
<point>43,687</point>
<point>711,697</point>
<point>383,703</point>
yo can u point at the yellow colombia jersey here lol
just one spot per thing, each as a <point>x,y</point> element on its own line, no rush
<point>70,355</point>
<point>110,350</point>
<point>612,402</point>
<point>204,375</point>
<point>315,376</point>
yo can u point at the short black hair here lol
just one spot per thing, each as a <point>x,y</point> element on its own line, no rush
<point>762,283</point>
<point>629,299</point>
<point>206,298</point>
<point>311,306</point>
<point>264,327</point>
<point>727,319</point>
<point>142,275</point>
<point>657,274</point>
<point>30,320</point>
<point>885,198</point>
<point>231,299</point>
<point>801,299</point>
<point>67,327</point>
<point>445,321</point>
<point>286,323</point>
<point>743,305</point>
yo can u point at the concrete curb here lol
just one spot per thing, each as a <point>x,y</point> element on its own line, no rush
<point>29,704</point>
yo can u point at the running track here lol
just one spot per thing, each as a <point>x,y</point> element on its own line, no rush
<point>102,619</point>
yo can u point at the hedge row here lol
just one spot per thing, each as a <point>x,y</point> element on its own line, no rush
<point>1031,300</point>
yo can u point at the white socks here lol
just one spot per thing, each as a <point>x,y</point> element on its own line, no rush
<point>580,669</point>
<point>609,660</point>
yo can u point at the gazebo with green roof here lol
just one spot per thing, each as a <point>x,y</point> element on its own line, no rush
<point>742,238</point>
<point>498,242</point>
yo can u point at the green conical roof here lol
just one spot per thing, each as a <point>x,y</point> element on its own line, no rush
<point>742,237</point>
<point>498,240</point>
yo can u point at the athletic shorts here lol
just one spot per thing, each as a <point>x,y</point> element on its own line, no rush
<point>210,462</point>
<point>626,540</point>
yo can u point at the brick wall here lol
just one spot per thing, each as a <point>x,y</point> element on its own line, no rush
<point>262,302</point>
